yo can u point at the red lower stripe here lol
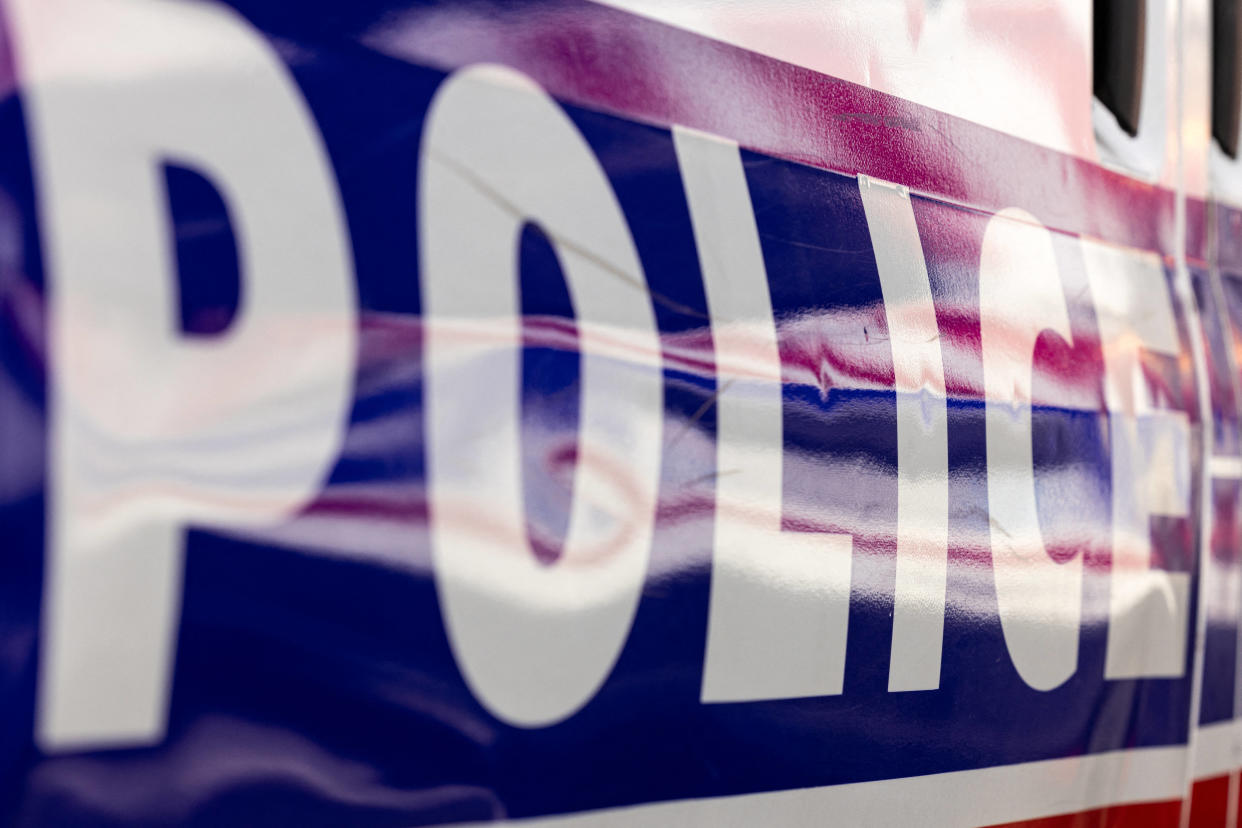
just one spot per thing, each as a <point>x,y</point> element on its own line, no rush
<point>1209,802</point>
<point>1140,815</point>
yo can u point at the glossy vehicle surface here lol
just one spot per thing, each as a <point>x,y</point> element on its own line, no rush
<point>616,413</point>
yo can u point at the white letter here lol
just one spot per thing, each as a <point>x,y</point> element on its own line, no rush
<point>152,432</point>
<point>1149,609</point>
<point>534,642</point>
<point>1039,599</point>
<point>922,438</point>
<point>780,600</point>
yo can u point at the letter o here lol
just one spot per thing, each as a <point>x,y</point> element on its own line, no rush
<point>534,642</point>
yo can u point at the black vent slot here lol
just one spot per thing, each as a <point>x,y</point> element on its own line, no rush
<point>1119,38</point>
<point>1226,74</point>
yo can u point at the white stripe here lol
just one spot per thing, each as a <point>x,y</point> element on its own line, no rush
<point>1216,749</point>
<point>1225,466</point>
<point>961,798</point>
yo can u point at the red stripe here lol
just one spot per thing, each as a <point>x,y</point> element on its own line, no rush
<point>608,59</point>
<point>1140,815</point>
<point>1209,802</point>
